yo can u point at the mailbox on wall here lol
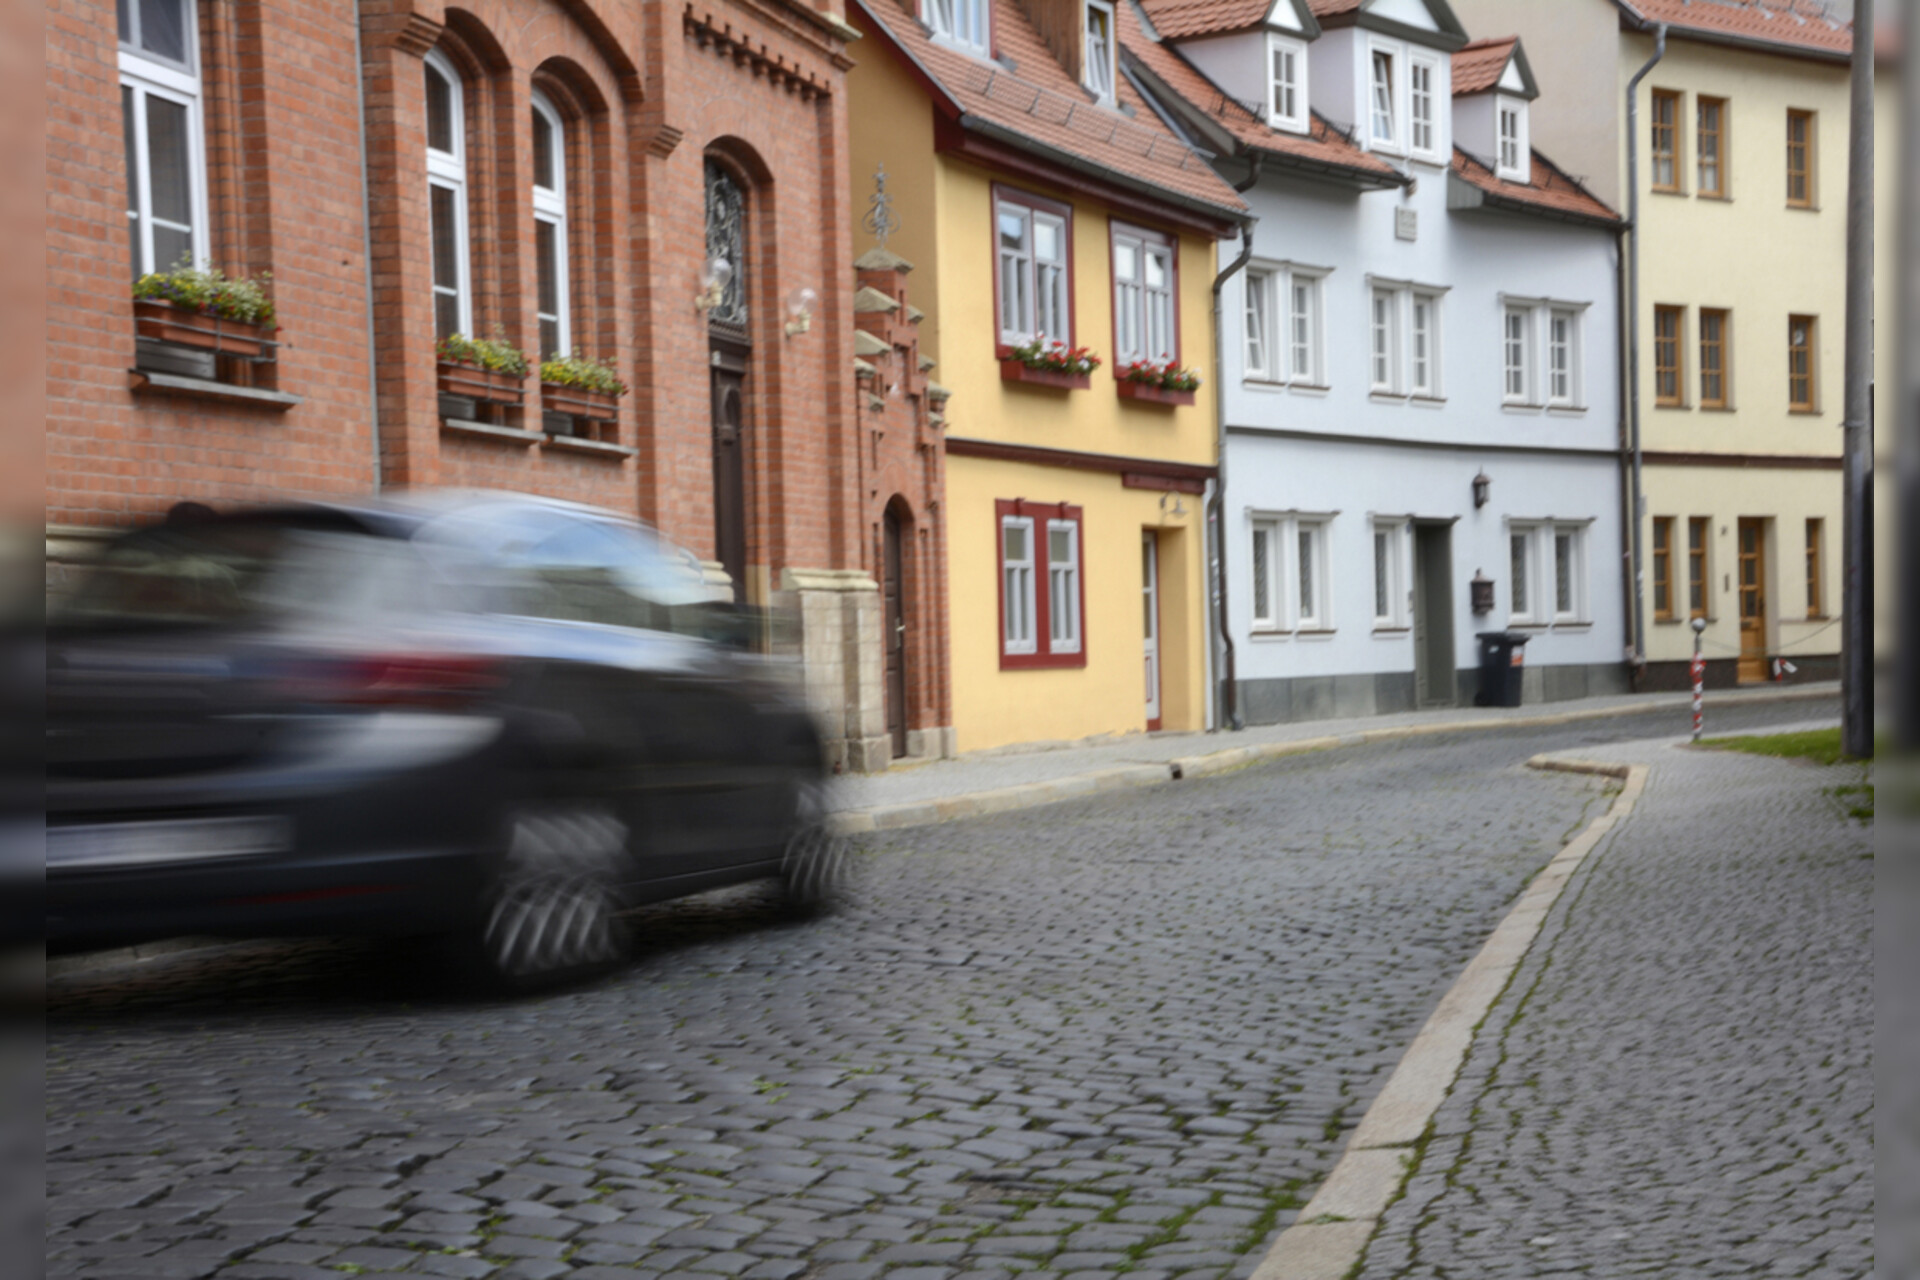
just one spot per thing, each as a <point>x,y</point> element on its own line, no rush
<point>1482,592</point>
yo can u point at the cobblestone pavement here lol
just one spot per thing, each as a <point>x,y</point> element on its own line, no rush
<point>1679,1080</point>
<point>1126,1034</point>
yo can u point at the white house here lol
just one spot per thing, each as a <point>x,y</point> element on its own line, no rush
<point>1419,359</point>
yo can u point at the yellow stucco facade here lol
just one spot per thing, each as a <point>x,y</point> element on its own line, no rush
<point>1009,441</point>
<point>1747,260</point>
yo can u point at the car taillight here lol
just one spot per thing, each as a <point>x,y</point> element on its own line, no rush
<point>399,680</point>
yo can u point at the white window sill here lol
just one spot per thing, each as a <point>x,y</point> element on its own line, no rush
<point>1387,397</point>
<point>1268,634</point>
<point>152,382</point>
<point>1525,408</point>
<point>1566,411</point>
<point>1391,631</point>
<point>1427,402</point>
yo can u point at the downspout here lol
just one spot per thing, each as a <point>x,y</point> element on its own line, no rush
<point>1639,500</point>
<point>366,249</point>
<point>1229,694</point>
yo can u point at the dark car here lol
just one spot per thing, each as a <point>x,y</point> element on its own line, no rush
<point>496,719</point>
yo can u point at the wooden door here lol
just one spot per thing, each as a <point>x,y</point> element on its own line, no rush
<point>1753,601</point>
<point>1434,681</point>
<point>730,469</point>
<point>1150,610</point>
<point>894,622</point>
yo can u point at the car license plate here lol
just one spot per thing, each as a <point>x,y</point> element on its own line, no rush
<point>133,844</point>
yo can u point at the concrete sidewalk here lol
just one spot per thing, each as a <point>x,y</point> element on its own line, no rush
<point>1022,777</point>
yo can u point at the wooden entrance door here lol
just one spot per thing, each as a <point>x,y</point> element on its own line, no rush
<point>1753,601</point>
<point>730,467</point>
<point>1434,681</point>
<point>1150,609</point>
<point>894,622</point>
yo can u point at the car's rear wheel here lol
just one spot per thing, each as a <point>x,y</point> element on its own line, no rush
<point>553,911</point>
<point>816,867</point>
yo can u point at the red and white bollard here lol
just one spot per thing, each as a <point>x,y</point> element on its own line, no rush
<point>1699,672</point>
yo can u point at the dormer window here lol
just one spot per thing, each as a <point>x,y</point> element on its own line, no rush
<point>1514,162</point>
<point>962,23</point>
<point>1099,50</point>
<point>1286,84</point>
<point>1384,132</point>
<point>1420,104</point>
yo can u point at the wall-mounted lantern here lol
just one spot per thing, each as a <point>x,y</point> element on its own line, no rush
<point>800,311</point>
<point>1482,490</point>
<point>1480,592</point>
<point>714,275</point>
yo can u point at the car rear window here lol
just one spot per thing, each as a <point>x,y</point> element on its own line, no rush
<point>228,571</point>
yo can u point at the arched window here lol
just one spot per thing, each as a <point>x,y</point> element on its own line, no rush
<point>726,239</point>
<point>550,226</point>
<point>447,196</point>
<point>160,119</point>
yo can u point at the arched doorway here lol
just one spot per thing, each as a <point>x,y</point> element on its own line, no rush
<point>896,529</point>
<point>729,348</point>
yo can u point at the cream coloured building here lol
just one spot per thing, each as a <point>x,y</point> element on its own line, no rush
<point>1741,176</point>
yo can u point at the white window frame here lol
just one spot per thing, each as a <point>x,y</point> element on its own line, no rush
<point>1404,379</point>
<point>1266,578</point>
<point>1423,366</point>
<point>1286,613</point>
<point>1391,112</point>
<point>1018,632</point>
<point>963,24</point>
<point>1099,82</point>
<point>1517,355</point>
<point>1139,308</point>
<point>1434,149</point>
<point>1538,353</point>
<point>1022,319</point>
<point>1513,155</point>
<point>1287,98</point>
<point>1394,531</point>
<point>1384,342</point>
<point>448,171</point>
<point>1573,394</point>
<point>1063,584</point>
<point>550,207</point>
<point>1539,540</point>
<point>1273,330</point>
<point>1523,610</point>
<point>148,76</point>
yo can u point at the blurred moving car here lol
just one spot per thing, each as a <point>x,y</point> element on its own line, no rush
<point>495,718</point>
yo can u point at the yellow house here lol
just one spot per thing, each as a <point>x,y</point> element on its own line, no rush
<point>1053,221</point>
<point>1741,138</point>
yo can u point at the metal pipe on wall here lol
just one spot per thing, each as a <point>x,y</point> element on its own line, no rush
<point>1856,530</point>
<point>1636,552</point>
<point>1216,527</point>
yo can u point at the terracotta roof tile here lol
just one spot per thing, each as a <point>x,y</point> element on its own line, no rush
<point>1550,190</point>
<point>1183,19</point>
<point>1805,24</point>
<point>1323,145</point>
<point>1477,66</point>
<point>1322,8</point>
<point>1040,102</point>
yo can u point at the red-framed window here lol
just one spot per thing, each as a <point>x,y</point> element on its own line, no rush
<point>1042,587</point>
<point>1033,269</point>
<point>1146,295</point>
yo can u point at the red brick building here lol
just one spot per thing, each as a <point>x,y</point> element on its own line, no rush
<point>562,174</point>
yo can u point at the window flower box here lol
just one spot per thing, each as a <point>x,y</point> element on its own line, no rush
<point>185,327</point>
<point>493,386</point>
<point>1012,370</point>
<point>1148,393</point>
<point>578,402</point>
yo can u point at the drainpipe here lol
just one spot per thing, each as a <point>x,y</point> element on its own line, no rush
<point>366,249</point>
<point>1633,345</point>
<point>1229,695</point>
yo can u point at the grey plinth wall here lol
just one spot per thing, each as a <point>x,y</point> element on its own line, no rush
<point>837,617</point>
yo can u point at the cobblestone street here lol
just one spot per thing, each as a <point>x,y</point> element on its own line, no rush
<point>1679,1079</point>
<point>1119,1035</point>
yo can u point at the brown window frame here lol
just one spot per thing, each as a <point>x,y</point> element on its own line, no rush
<point>1040,514</point>
<point>1816,578</point>
<point>1663,568</point>
<point>1670,349</point>
<point>1667,131</point>
<point>1003,194</point>
<point>1714,350</point>
<point>1809,155</point>
<point>1699,542</point>
<point>1809,353</point>
<point>1718,133</point>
